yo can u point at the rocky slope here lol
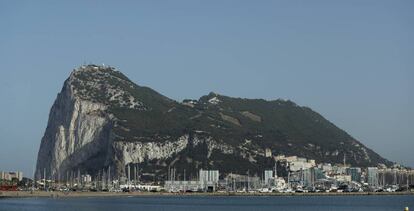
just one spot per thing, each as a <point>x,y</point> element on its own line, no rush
<point>101,119</point>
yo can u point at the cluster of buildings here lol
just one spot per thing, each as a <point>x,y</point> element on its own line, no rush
<point>307,174</point>
<point>208,180</point>
<point>300,175</point>
<point>10,176</point>
<point>289,174</point>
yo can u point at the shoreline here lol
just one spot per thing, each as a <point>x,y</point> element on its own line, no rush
<point>43,194</point>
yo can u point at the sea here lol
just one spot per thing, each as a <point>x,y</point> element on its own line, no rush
<point>211,203</point>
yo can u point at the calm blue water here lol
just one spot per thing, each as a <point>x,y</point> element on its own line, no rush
<point>183,203</point>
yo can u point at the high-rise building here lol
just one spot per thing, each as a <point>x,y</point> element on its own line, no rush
<point>209,176</point>
<point>268,176</point>
<point>372,176</point>
<point>309,177</point>
<point>209,179</point>
<point>355,173</point>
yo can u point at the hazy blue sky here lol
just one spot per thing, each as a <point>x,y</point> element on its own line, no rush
<point>351,61</point>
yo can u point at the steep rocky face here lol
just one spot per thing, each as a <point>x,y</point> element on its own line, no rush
<point>80,132</point>
<point>101,119</point>
<point>77,130</point>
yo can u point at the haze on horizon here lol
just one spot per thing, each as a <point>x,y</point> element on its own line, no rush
<point>351,61</point>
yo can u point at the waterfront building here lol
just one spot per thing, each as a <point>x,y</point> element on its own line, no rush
<point>372,176</point>
<point>309,177</point>
<point>16,174</point>
<point>355,173</point>
<point>209,176</point>
<point>268,177</point>
<point>8,176</point>
<point>5,176</point>
<point>209,179</point>
<point>182,186</point>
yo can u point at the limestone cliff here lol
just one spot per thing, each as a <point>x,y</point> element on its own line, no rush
<point>101,119</point>
<point>79,133</point>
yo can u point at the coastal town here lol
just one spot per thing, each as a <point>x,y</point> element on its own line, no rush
<point>291,174</point>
